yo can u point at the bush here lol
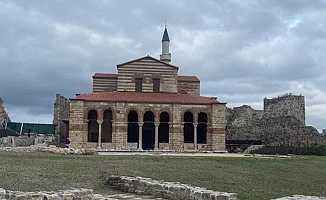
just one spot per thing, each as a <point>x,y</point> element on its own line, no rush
<point>319,150</point>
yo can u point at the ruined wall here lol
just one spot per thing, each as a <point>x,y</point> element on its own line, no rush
<point>61,116</point>
<point>287,105</point>
<point>3,114</point>
<point>281,122</point>
<point>241,123</point>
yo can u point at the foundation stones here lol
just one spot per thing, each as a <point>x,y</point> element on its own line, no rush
<point>168,190</point>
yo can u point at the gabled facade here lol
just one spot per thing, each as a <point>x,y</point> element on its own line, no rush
<point>146,105</point>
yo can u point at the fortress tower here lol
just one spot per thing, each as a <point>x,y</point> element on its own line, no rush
<point>285,106</point>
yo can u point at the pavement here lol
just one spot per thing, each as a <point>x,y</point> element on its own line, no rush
<point>187,154</point>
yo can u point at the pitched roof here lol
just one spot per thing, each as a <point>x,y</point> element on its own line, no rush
<point>148,57</point>
<point>188,78</point>
<point>165,35</point>
<point>146,97</point>
<point>105,75</point>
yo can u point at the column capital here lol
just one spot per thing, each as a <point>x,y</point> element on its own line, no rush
<point>195,124</point>
<point>99,121</point>
<point>156,123</point>
<point>140,123</point>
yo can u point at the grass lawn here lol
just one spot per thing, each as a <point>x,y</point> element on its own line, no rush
<point>251,178</point>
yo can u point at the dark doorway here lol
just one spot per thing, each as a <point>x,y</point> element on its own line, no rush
<point>188,127</point>
<point>148,131</point>
<point>64,136</point>
<point>133,127</point>
<point>107,126</point>
<point>92,126</point>
<point>163,129</point>
<point>202,128</point>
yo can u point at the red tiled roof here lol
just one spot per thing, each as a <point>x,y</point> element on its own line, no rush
<point>188,78</point>
<point>146,97</point>
<point>105,75</point>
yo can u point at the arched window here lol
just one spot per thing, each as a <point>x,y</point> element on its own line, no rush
<point>163,128</point>
<point>148,137</point>
<point>106,134</point>
<point>202,128</point>
<point>133,127</point>
<point>188,127</point>
<point>92,126</point>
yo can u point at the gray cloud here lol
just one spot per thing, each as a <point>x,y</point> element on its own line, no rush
<point>241,50</point>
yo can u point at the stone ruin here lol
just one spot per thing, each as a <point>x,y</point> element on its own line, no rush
<point>281,122</point>
<point>61,117</point>
<point>4,117</point>
<point>166,190</point>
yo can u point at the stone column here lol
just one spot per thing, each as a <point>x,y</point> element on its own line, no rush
<point>195,136</point>
<point>156,135</point>
<point>99,143</point>
<point>140,136</point>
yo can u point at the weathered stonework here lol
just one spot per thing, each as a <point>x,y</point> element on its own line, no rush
<point>24,140</point>
<point>3,114</point>
<point>281,122</point>
<point>285,106</point>
<point>167,190</point>
<point>61,117</point>
<point>48,149</point>
<point>301,197</point>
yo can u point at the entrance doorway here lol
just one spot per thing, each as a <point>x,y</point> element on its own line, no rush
<point>148,138</point>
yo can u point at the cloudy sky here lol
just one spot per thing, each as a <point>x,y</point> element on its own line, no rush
<point>243,51</point>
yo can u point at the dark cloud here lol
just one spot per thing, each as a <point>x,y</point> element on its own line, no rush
<point>241,50</point>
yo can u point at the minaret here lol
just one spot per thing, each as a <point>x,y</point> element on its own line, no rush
<point>166,55</point>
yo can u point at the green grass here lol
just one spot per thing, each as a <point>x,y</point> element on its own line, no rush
<point>251,178</point>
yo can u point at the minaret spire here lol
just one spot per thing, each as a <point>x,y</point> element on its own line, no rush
<point>166,55</point>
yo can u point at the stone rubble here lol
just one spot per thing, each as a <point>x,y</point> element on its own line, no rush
<point>25,140</point>
<point>168,190</point>
<point>143,189</point>
<point>301,197</point>
<point>73,194</point>
<point>49,149</point>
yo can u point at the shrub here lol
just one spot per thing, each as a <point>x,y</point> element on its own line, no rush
<point>319,150</point>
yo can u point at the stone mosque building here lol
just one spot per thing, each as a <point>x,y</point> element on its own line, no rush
<point>146,105</point>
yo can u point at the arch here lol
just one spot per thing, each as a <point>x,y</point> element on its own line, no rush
<point>106,127</point>
<point>202,128</point>
<point>148,139</point>
<point>92,126</point>
<point>164,128</point>
<point>188,127</point>
<point>133,127</point>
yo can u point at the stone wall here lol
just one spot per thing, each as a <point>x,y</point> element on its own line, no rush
<point>82,194</point>
<point>61,117</point>
<point>3,114</point>
<point>23,141</point>
<point>167,190</point>
<point>242,122</point>
<point>281,122</point>
<point>284,106</point>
